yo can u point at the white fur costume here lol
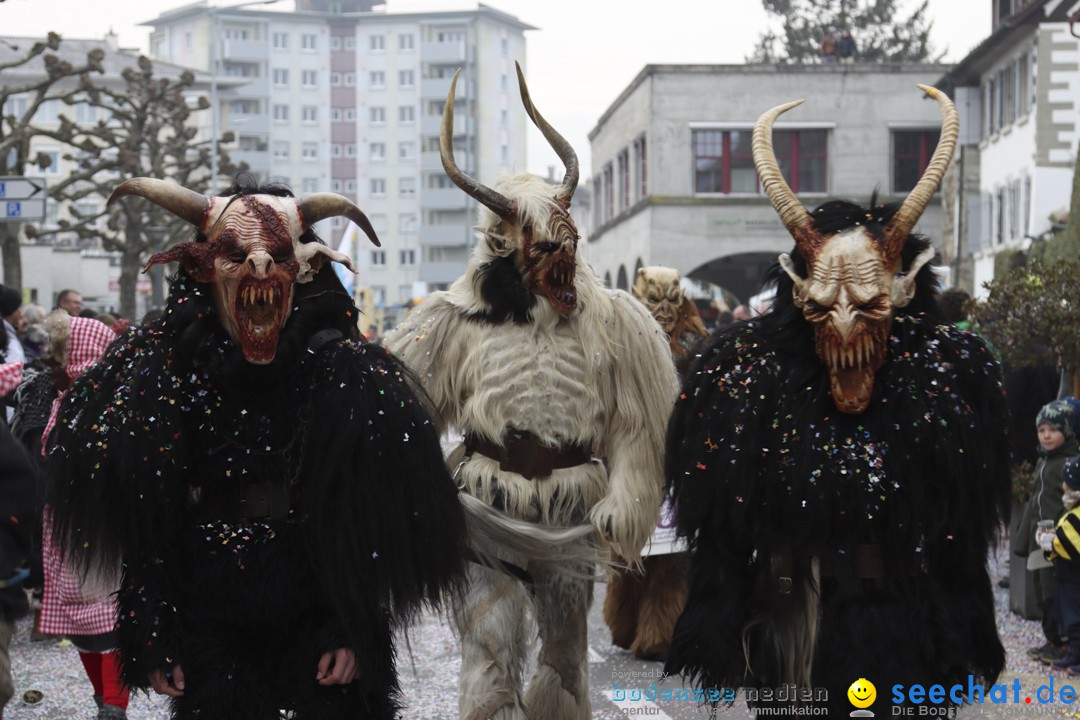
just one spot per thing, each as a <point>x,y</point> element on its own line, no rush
<point>600,377</point>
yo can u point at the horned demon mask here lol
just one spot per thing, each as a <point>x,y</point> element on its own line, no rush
<point>853,283</point>
<point>249,249</point>
<point>544,252</point>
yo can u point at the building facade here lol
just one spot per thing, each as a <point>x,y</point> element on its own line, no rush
<point>1018,94</point>
<point>340,98</point>
<point>673,177</point>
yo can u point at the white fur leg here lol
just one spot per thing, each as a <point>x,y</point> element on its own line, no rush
<point>548,699</point>
<point>492,622</point>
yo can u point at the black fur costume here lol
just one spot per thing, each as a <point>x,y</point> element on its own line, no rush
<point>174,415</point>
<point>763,466</point>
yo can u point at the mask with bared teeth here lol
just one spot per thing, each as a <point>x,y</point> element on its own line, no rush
<point>249,249</point>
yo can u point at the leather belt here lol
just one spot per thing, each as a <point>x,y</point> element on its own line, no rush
<point>523,453</point>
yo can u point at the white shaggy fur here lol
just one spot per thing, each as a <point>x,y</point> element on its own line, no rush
<point>601,377</point>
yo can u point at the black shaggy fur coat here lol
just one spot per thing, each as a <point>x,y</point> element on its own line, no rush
<point>763,467</point>
<point>173,415</point>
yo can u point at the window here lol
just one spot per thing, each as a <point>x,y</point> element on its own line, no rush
<point>504,82</point>
<point>281,150</point>
<point>307,42</point>
<point>1008,95</point>
<point>407,224</point>
<point>377,43</point>
<point>406,114</point>
<point>624,179</point>
<point>378,115</point>
<point>504,46</point>
<point>406,258</point>
<point>309,79</point>
<point>335,79</point>
<point>244,107</point>
<point>281,41</point>
<point>350,79</point>
<point>310,114</point>
<point>378,295</point>
<point>406,151</point>
<point>335,42</point>
<point>377,80</point>
<point>504,118</point>
<point>407,186</point>
<point>640,188</point>
<point>378,258</point>
<point>281,113</point>
<point>724,163</point>
<point>335,186</point>
<point>309,151</point>
<point>310,185</point>
<point>377,151</point>
<point>281,77</point>
<point>350,115</point>
<point>85,114</point>
<point>378,187</point>
<point>48,111</point>
<point>54,164</point>
<point>912,150</point>
<point>350,43</point>
<point>439,181</point>
<point>16,105</point>
<point>406,78</point>
<point>1000,215</point>
<point>404,293</point>
<point>335,115</point>
<point>609,192</point>
<point>1023,77</point>
<point>504,154</point>
<point>350,186</point>
<point>350,150</point>
<point>406,42</point>
<point>335,150</point>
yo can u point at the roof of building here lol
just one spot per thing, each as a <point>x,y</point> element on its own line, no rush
<point>762,69</point>
<point>1007,33</point>
<point>74,51</point>
<point>481,10</point>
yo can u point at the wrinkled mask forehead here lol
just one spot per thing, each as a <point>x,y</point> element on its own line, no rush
<point>657,283</point>
<point>247,218</point>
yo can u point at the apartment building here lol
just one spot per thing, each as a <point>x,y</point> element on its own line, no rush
<point>340,97</point>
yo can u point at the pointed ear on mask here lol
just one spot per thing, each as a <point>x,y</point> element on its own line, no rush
<point>313,256</point>
<point>500,244</point>
<point>903,288</point>
<point>800,283</point>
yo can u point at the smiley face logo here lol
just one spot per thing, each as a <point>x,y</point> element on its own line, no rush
<point>862,693</point>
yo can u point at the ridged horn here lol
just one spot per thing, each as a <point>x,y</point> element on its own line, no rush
<point>497,202</point>
<point>185,204</point>
<point>787,206</point>
<point>319,206</point>
<point>558,142</point>
<point>917,200</point>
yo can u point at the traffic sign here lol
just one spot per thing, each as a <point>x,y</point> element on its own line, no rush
<point>22,198</point>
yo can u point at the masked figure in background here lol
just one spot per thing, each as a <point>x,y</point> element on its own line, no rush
<point>840,468</point>
<point>540,368</point>
<point>641,609</point>
<point>272,486</point>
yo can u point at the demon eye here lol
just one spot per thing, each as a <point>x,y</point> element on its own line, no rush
<point>548,247</point>
<point>870,307</point>
<point>815,307</point>
<point>236,256</point>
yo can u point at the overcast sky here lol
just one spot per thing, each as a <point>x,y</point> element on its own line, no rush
<point>584,53</point>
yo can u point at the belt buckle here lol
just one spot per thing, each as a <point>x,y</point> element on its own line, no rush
<point>521,454</point>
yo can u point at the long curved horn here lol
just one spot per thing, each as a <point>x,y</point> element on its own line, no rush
<point>319,206</point>
<point>185,204</point>
<point>787,206</point>
<point>917,200</point>
<point>558,142</point>
<point>499,203</point>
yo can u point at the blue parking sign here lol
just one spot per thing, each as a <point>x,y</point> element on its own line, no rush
<point>13,209</point>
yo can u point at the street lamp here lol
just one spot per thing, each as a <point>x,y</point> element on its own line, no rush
<point>215,110</point>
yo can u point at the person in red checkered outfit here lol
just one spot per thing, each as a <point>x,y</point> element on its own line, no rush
<point>82,608</point>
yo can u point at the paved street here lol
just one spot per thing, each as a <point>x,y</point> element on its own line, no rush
<point>429,670</point>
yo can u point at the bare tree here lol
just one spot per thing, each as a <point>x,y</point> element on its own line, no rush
<point>147,134</point>
<point>59,80</point>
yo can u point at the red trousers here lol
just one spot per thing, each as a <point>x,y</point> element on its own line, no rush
<point>104,673</point>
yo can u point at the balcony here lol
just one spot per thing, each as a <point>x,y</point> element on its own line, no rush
<point>245,50</point>
<point>443,199</point>
<point>246,124</point>
<point>441,272</point>
<point>431,124</point>
<point>439,88</point>
<point>255,87</point>
<point>258,161</point>
<point>445,235</point>
<point>442,52</point>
